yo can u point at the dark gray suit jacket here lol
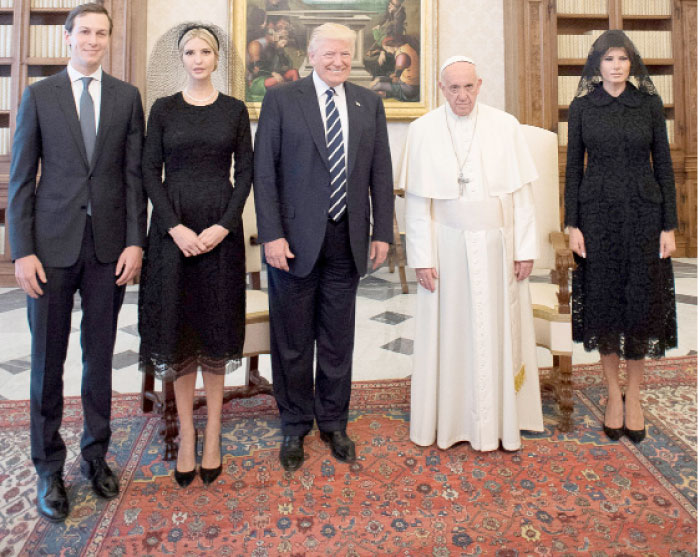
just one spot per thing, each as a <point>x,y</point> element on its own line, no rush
<point>292,174</point>
<point>49,219</point>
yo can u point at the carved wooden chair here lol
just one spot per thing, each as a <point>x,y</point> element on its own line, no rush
<point>257,341</point>
<point>551,303</point>
<point>397,252</point>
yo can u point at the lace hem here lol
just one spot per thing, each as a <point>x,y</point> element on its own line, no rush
<point>168,370</point>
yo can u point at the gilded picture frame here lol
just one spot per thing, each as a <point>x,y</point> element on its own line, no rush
<point>396,39</point>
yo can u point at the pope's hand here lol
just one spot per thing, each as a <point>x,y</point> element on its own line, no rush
<point>426,277</point>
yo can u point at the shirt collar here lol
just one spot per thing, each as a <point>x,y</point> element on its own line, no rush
<point>75,75</point>
<point>630,96</point>
<point>470,118</point>
<point>321,87</point>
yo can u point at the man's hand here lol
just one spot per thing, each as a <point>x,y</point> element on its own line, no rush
<point>576,243</point>
<point>378,252</point>
<point>523,269</point>
<point>213,236</point>
<point>27,270</point>
<point>277,252</point>
<point>187,240</point>
<point>129,264</point>
<point>426,277</point>
<point>667,243</point>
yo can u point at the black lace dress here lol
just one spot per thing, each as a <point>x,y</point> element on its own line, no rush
<point>192,309</point>
<point>623,293</point>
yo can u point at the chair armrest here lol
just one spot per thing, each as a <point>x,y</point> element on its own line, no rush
<point>564,260</point>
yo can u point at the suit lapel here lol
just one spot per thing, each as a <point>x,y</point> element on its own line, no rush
<point>312,114</point>
<point>106,107</point>
<point>66,100</point>
<point>354,125</point>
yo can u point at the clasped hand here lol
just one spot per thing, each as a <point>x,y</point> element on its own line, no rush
<point>191,243</point>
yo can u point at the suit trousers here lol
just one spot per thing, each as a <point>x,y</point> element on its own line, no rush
<point>50,325</point>
<point>317,310</point>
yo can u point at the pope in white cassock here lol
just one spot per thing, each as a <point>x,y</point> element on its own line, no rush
<point>470,235</point>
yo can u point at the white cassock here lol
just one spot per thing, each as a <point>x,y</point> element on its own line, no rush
<point>475,375</point>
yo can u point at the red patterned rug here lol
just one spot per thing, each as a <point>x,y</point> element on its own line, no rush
<point>564,494</point>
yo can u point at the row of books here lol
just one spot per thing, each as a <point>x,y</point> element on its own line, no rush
<point>568,84</point>
<point>56,3</point>
<point>46,41</point>
<point>5,141</point>
<point>5,87</point>
<point>5,41</point>
<point>600,7</point>
<point>563,132</point>
<point>582,6</point>
<point>6,3</point>
<point>646,7</point>
<point>651,44</point>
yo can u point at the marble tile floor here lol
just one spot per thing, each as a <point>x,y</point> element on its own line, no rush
<point>383,343</point>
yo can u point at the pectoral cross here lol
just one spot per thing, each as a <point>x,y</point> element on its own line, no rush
<point>462,181</point>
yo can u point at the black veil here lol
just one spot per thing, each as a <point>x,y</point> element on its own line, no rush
<point>614,38</point>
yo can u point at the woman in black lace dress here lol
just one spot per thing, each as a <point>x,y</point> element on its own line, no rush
<point>621,213</point>
<point>192,295</point>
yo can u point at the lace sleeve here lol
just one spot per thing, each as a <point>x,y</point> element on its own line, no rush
<point>153,168</point>
<point>663,166</point>
<point>574,164</point>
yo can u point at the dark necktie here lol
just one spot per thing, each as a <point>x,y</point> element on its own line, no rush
<point>336,157</point>
<point>87,118</point>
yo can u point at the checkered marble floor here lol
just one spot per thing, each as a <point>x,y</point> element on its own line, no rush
<point>383,343</point>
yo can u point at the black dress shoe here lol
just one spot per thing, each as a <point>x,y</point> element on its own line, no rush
<point>342,447</point>
<point>636,435</point>
<point>208,475</point>
<point>614,433</point>
<point>104,482</point>
<point>51,497</point>
<point>292,452</point>
<point>184,479</point>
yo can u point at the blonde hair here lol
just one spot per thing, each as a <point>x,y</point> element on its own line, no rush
<point>199,33</point>
<point>331,31</point>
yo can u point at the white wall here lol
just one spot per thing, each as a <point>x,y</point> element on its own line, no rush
<point>469,27</point>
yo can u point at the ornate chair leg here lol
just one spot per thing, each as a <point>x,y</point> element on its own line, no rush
<point>565,394</point>
<point>147,386</point>
<point>170,430</point>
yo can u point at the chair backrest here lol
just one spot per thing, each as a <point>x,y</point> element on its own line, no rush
<point>544,149</point>
<point>253,263</point>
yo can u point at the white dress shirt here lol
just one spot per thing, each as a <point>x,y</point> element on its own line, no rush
<point>340,102</point>
<point>95,90</point>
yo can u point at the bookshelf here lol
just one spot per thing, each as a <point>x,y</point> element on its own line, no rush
<point>550,44</point>
<point>32,48</point>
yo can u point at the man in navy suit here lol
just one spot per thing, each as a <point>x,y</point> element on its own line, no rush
<point>81,228</point>
<point>321,155</point>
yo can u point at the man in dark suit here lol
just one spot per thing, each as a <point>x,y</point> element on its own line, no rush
<point>321,154</point>
<point>81,228</point>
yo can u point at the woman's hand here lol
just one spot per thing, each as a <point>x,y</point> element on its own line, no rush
<point>667,243</point>
<point>187,240</point>
<point>576,243</point>
<point>212,236</point>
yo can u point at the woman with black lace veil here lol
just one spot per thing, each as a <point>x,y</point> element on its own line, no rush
<point>192,294</point>
<point>621,214</point>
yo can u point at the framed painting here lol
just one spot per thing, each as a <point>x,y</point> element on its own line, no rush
<point>395,52</point>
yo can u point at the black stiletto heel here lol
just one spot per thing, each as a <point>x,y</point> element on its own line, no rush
<point>614,433</point>
<point>184,479</point>
<point>208,475</point>
<point>635,435</point>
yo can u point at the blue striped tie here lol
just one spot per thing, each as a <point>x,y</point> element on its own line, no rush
<point>336,157</point>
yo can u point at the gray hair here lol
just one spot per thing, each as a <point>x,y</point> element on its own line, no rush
<point>331,31</point>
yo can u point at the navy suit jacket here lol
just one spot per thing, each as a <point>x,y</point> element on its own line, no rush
<point>292,174</point>
<point>48,220</point>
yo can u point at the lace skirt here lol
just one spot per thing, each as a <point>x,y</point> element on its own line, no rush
<point>192,309</point>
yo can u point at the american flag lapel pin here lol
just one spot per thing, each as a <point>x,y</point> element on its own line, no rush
<point>358,103</point>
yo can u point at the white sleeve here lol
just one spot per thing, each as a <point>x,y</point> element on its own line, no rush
<point>524,232</point>
<point>419,232</point>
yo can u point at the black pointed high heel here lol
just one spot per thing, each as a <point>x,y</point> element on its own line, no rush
<point>208,475</point>
<point>635,435</point>
<point>184,479</point>
<point>614,433</point>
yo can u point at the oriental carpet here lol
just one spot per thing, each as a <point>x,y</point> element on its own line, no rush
<point>564,494</point>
